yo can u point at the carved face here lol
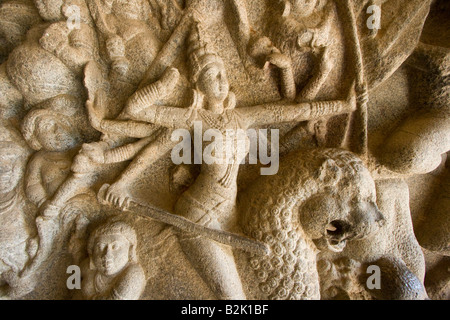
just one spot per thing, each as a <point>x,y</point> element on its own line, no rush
<point>11,166</point>
<point>213,82</point>
<point>54,134</point>
<point>349,212</point>
<point>303,8</point>
<point>111,254</point>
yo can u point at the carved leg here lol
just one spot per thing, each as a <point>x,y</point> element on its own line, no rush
<point>215,264</point>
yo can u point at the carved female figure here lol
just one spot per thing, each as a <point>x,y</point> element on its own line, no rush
<point>211,198</point>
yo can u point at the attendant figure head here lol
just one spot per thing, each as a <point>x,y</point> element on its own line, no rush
<point>112,247</point>
<point>53,126</point>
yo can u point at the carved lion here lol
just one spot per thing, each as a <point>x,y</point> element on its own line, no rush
<point>319,200</point>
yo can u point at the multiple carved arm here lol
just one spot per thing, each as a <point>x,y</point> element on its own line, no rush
<point>141,106</point>
<point>127,128</point>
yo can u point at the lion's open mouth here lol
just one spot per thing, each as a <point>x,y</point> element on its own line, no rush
<point>337,234</point>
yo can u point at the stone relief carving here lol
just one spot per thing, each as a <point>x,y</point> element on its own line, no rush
<point>98,97</point>
<point>112,271</point>
<point>327,198</point>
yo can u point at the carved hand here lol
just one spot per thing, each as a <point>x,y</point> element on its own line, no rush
<point>94,151</point>
<point>169,79</point>
<point>280,60</point>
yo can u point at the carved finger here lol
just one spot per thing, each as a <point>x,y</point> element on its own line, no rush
<point>117,201</point>
<point>170,77</point>
<point>120,202</point>
<point>108,197</point>
<point>127,202</point>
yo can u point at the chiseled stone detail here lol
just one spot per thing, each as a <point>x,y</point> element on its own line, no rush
<point>313,138</point>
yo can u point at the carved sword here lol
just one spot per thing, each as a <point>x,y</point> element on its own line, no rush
<point>150,212</point>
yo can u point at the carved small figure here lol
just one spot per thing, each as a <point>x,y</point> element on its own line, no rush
<point>301,35</point>
<point>113,271</point>
<point>123,28</point>
<point>76,46</point>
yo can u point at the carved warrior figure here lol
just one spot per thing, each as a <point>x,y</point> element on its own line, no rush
<point>112,271</point>
<point>211,197</point>
<point>44,43</point>
<point>17,229</point>
<point>69,50</point>
<point>110,149</point>
<point>55,130</point>
<point>325,198</point>
<point>300,34</point>
<point>301,42</point>
<point>122,24</point>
